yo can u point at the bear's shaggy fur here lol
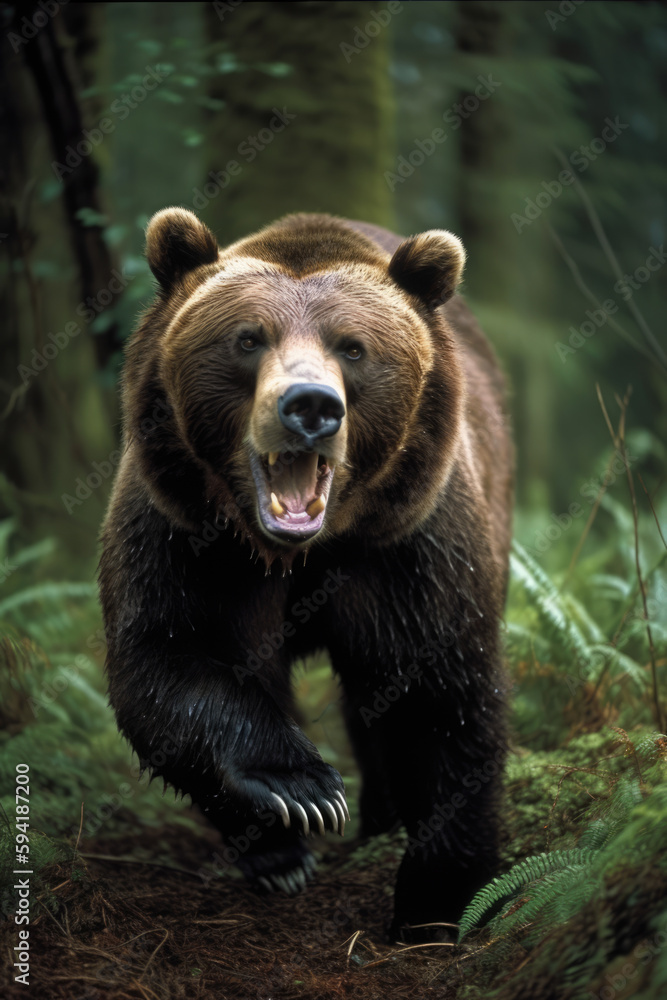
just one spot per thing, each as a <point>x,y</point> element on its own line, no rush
<point>315,389</point>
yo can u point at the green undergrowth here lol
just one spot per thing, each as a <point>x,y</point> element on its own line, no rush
<point>579,908</point>
<point>583,877</point>
<point>54,717</point>
<point>592,909</point>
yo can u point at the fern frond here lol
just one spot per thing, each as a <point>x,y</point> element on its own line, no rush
<point>33,553</point>
<point>7,528</point>
<point>620,663</point>
<point>48,592</point>
<point>558,623</point>
<point>516,879</point>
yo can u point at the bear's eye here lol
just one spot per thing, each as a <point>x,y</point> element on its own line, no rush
<point>353,352</point>
<point>249,342</point>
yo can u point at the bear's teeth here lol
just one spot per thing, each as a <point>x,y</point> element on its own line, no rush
<point>273,457</point>
<point>276,506</point>
<point>316,506</point>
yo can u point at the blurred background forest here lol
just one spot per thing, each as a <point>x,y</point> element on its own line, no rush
<point>533,130</point>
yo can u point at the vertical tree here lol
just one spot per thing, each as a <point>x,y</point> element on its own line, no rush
<point>55,418</point>
<point>482,74</point>
<point>303,111</point>
<point>503,146</point>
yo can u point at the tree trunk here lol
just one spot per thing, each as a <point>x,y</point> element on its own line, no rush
<point>57,86</point>
<point>498,165</point>
<point>307,117</point>
<point>55,420</point>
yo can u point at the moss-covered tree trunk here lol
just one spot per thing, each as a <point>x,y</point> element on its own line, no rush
<point>302,113</point>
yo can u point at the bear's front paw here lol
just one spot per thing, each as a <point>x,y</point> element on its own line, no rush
<point>288,868</point>
<point>312,798</point>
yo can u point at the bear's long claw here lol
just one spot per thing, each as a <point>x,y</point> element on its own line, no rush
<point>300,876</point>
<point>309,867</point>
<point>341,825</point>
<point>332,813</point>
<point>343,802</point>
<point>318,817</point>
<point>284,811</point>
<point>304,818</point>
<point>265,882</point>
<point>281,882</point>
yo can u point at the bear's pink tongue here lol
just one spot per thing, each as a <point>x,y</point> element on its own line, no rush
<point>293,480</point>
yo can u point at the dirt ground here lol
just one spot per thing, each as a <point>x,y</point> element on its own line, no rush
<point>140,923</point>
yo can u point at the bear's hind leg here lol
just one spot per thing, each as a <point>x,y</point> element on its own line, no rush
<point>378,813</point>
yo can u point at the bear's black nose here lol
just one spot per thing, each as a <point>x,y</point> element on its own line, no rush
<point>311,411</point>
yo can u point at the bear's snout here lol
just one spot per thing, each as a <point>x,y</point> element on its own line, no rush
<point>311,411</point>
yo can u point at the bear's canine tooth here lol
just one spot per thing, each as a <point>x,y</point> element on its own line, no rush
<point>316,506</point>
<point>276,506</point>
<point>273,457</point>
<point>283,810</point>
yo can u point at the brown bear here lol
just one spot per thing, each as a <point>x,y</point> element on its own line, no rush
<point>316,457</point>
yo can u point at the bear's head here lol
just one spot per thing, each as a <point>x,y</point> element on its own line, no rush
<point>302,383</point>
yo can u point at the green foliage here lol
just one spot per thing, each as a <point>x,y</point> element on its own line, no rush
<point>49,859</point>
<point>529,875</point>
<point>530,911</point>
<point>584,844</point>
<point>56,718</point>
<point>578,638</point>
<point>563,623</point>
<point>554,885</point>
<point>584,877</point>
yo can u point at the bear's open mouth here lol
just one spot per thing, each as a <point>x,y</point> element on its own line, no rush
<point>292,492</point>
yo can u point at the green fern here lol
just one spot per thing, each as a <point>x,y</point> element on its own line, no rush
<point>54,711</point>
<point>546,890</point>
<point>47,593</point>
<point>566,657</point>
<point>519,878</point>
<point>555,613</point>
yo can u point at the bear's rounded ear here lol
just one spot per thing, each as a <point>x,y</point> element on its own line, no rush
<point>177,242</point>
<point>429,265</point>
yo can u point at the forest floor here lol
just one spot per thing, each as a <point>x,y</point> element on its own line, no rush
<point>144,912</point>
<point>140,923</point>
<point>128,900</point>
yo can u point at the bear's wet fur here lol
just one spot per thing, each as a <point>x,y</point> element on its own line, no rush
<point>208,596</point>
